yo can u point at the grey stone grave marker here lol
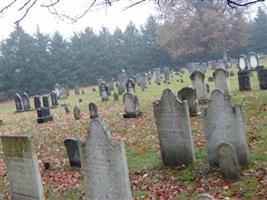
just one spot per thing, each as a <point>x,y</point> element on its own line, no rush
<point>77,113</point>
<point>242,62</point>
<point>19,103</point>
<point>72,147</point>
<point>221,80</point>
<point>131,105</point>
<point>197,79</point>
<point>130,85</point>
<point>26,102</point>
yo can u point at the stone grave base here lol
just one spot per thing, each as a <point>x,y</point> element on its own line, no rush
<point>132,115</point>
<point>45,119</point>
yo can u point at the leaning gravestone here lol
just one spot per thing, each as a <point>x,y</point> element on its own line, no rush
<point>221,80</point>
<point>244,80</point>
<point>26,101</point>
<point>228,161</point>
<point>197,79</point>
<point>242,62</point>
<point>76,113</point>
<point>104,163</point>
<point>22,168</point>
<point>19,103</point>
<point>72,147</point>
<point>174,130</point>
<point>224,123</point>
<point>253,61</point>
<point>131,105</point>
<point>189,94</point>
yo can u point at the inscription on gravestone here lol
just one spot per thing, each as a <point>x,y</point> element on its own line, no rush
<point>22,168</point>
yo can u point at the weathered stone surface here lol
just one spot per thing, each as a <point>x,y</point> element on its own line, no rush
<point>76,113</point>
<point>224,123</point>
<point>197,79</point>
<point>242,62</point>
<point>26,101</point>
<point>104,165</point>
<point>104,94</point>
<point>19,103</point>
<point>221,80</point>
<point>244,80</point>
<point>174,130</point>
<point>156,72</point>
<point>253,61</point>
<point>122,77</point>
<point>228,161</point>
<point>205,197</point>
<point>131,105</point>
<point>143,81</point>
<point>262,77</point>
<point>189,94</point>
<point>130,85</point>
<point>72,147</point>
<point>93,110</point>
<point>22,168</point>
<point>53,97</point>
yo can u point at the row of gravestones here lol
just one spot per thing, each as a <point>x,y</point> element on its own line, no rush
<point>224,131</point>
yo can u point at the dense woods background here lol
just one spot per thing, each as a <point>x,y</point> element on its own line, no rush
<point>34,63</point>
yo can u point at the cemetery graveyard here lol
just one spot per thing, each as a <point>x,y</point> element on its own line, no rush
<point>143,153</point>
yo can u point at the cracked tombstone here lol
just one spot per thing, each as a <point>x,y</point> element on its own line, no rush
<point>22,168</point>
<point>221,80</point>
<point>189,94</point>
<point>197,79</point>
<point>72,147</point>
<point>104,163</point>
<point>174,130</point>
<point>224,123</point>
<point>19,103</point>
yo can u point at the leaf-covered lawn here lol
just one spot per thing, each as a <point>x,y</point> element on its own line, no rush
<point>150,179</point>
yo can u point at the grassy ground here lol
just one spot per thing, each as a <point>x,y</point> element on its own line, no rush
<point>150,179</point>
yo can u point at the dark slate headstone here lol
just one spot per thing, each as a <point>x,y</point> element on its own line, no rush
<point>26,101</point>
<point>54,101</point>
<point>76,113</point>
<point>244,80</point>
<point>46,101</point>
<point>93,110</point>
<point>44,115</point>
<point>19,103</point>
<point>37,102</point>
<point>262,77</point>
<point>72,147</point>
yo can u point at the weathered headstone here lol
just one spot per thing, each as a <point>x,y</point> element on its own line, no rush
<point>104,163</point>
<point>22,168</point>
<point>130,85</point>
<point>66,108</point>
<point>197,79</point>
<point>19,103</point>
<point>174,130</point>
<point>26,101</point>
<point>253,61</point>
<point>131,105</point>
<point>221,80</point>
<point>46,103</point>
<point>157,75</point>
<point>224,123</point>
<point>244,80</point>
<point>122,77</point>
<point>76,90</point>
<point>76,113</point>
<point>43,115</point>
<point>116,96</point>
<point>242,62</point>
<point>166,72</point>
<point>262,77</point>
<point>103,89</point>
<point>227,161</point>
<point>143,83</point>
<point>37,102</point>
<point>54,101</point>
<point>72,147</point>
<point>189,94</point>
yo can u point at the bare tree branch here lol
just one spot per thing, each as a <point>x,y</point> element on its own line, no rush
<point>26,12</point>
<point>7,6</point>
<point>51,4</point>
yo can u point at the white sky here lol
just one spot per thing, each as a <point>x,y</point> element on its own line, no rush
<point>111,17</point>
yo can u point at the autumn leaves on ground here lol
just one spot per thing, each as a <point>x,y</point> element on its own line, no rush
<point>150,179</point>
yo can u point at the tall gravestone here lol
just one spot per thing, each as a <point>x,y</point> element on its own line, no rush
<point>54,101</point>
<point>242,62</point>
<point>166,72</point>
<point>46,103</point>
<point>224,123</point>
<point>37,102</point>
<point>157,75</point>
<point>19,103</point>
<point>131,105</point>
<point>197,79</point>
<point>72,147</point>
<point>253,61</point>
<point>262,77</point>
<point>174,130</point>
<point>104,163</point>
<point>22,168</point>
<point>130,85</point>
<point>189,94</point>
<point>143,80</point>
<point>122,77</point>
<point>244,80</point>
<point>99,81</point>
<point>221,80</point>
<point>26,101</point>
<point>104,94</point>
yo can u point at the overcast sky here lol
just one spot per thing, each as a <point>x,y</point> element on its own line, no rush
<point>111,17</point>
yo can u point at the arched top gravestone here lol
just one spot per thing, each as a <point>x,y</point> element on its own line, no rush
<point>26,101</point>
<point>19,103</point>
<point>253,60</point>
<point>242,62</point>
<point>224,123</point>
<point>197,78</point>
<point>104,163</point>
<point>130,85</point>
<point>174,129</point>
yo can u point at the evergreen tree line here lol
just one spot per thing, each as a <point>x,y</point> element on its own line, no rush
<point>35,63</point>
